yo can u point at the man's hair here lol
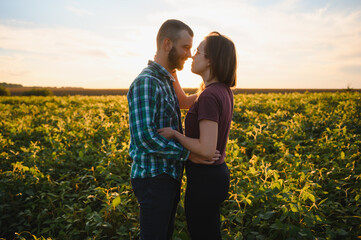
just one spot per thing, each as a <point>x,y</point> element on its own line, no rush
<point>170,29</point>
<point>221,52</point>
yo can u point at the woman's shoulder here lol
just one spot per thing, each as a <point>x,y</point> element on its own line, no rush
<point>216,89</point>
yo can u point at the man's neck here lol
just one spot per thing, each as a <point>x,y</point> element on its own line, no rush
<point>163,61</point>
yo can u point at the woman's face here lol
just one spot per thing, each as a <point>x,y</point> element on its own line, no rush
<point>200,64</point>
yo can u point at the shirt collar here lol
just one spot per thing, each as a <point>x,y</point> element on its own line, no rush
<point>160,70</point>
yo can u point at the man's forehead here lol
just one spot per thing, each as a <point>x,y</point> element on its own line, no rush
<point>185,38</point>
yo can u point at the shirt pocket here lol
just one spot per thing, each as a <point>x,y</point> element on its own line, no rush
<point>170,107</point>
<point>169,113</point>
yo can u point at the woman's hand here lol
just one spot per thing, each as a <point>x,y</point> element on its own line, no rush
<point>174,74</point>
<point>167,132</point>
<point>200,160</point>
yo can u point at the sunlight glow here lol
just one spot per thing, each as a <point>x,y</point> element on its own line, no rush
<point>284,44</point>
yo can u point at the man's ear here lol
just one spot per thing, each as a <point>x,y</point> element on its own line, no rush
<point>167,44</point>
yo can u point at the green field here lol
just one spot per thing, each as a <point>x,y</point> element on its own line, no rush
<point>294,161</point>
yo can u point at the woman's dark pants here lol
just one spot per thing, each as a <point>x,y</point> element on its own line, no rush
<point>207,188</point>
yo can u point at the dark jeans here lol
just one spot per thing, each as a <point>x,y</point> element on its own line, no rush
<point>207,188</point>
<point>158,198</point>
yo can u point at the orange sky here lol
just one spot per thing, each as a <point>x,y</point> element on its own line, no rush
<point>280,44</point>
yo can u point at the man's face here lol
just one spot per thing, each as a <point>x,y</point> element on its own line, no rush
<point>180,51</point>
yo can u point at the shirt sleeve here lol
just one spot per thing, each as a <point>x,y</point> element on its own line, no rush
<point>208,107</point>
<point>143,97</point>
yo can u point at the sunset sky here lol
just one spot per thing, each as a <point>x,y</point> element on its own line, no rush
<point>105,44</point>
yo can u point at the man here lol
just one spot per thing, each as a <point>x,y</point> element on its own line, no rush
<point>157,162</point>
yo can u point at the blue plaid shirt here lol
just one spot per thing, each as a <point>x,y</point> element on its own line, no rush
<point>153,105</point>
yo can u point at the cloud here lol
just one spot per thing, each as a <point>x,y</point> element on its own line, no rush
<point>58,56</point>
<point>17,22</point>
<point>79,12</point>
<point>278,44</point>
<point>351,54</point>
<point>53,41</point>
<point>352,69</point>
<point>13,73</point>
<point>281,43</point>
<point>95,53</point>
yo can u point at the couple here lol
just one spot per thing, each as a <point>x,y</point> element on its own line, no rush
<point>158,147</point>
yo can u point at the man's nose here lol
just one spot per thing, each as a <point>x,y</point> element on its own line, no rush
<point>189,53</point>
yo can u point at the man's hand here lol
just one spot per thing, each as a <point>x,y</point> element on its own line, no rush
<point>195,158</point>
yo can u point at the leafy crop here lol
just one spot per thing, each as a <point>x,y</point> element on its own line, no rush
<point>4,91</point>
<point>294,161</point>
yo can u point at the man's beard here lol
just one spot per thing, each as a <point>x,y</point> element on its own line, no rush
<point>175,60</point>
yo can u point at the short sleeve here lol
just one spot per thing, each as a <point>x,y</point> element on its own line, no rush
<point>208,107</point>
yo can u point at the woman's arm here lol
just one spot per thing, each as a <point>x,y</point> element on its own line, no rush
<point>205,146</point>
<point>185,102</point>
<point>200,160</point>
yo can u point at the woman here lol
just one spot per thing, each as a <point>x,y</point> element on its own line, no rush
<point>207,127</point>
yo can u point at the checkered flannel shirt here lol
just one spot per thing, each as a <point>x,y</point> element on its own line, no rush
<point>153,105</point>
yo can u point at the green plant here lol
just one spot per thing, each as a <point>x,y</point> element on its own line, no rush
<point>38,92</point>
<point>293,158</point>
<point>4,91</point>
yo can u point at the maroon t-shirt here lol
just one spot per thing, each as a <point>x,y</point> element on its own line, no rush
<point>215,103</point>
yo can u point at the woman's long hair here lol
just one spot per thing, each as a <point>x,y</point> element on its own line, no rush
<point>221,52</point>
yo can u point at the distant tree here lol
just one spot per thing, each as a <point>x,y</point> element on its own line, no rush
<point>349,88</point>
<point>38,92</point>
<point>10,85</point>
<point>4,91</point>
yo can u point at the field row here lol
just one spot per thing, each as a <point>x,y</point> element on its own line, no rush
<point>294,161</point>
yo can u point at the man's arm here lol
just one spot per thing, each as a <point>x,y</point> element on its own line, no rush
<point>142,100</point>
